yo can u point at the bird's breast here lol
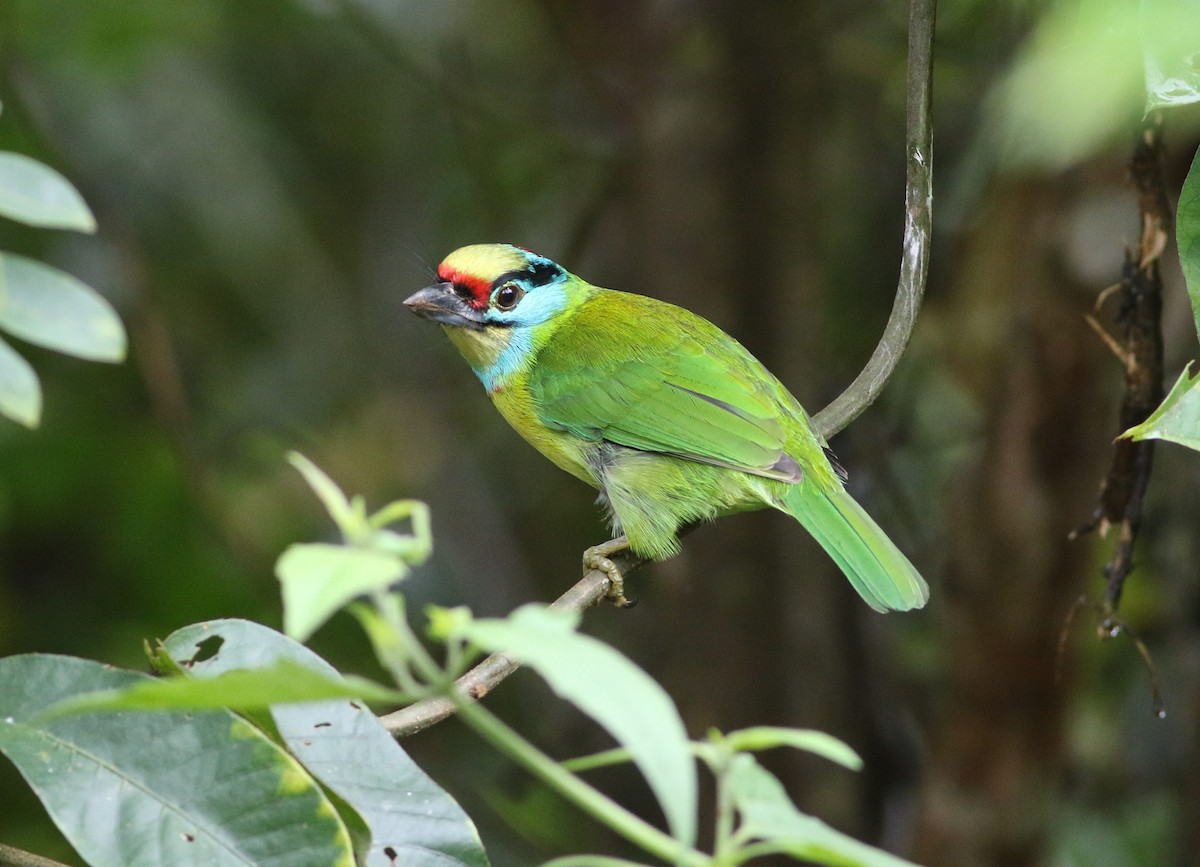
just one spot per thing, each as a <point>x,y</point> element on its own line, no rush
<point>567,451</point>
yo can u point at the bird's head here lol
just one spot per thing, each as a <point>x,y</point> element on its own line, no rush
<point>491,297</point>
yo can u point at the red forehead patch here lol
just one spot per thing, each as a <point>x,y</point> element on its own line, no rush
<point>479,288</point>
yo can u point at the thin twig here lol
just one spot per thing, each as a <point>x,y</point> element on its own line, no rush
<point>1109,625</point>
<point>918,223</point>
<point>914,267</point>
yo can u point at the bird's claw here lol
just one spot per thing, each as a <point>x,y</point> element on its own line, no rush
<point>597,558</point>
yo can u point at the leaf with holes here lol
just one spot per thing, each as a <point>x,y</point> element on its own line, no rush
<point>131,789</point>
<point>241,689</point>
<point>344,746</point>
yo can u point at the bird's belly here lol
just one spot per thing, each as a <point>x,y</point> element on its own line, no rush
<point>652,495</point>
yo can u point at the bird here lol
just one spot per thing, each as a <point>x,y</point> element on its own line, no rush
<point>671,419</point>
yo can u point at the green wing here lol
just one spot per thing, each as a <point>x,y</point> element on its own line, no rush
<point>652,376</point>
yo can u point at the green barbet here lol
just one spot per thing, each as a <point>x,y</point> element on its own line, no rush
<point>667,415</point>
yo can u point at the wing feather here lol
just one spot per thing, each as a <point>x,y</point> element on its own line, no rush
<point>685,389</point>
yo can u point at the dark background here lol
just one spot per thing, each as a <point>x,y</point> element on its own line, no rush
<point>272,178</point>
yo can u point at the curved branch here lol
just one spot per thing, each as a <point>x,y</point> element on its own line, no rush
<point>914,266</point>
<point>918,211</point>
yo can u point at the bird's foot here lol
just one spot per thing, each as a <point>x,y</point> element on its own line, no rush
<point>597,557</point>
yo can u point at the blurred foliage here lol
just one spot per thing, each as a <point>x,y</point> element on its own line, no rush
<point>271,179</point>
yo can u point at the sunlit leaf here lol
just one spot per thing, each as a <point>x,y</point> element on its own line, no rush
<point>327,491</point>
<point>1088,73</point>
<point>346,747</point>
<point>613,691</point>
<point>1187,235</point>
<point>319,579</point>
<point>768,815</point>
<point>818,743</point>
<point>1177,418</point>
<point>137,789</point>
<point>53,309</point>
<point>36,194</point>
<point>1075,84</point>
<point>20,392</point>
<point>1171,45</point>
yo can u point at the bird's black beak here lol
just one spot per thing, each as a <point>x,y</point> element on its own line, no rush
<point>440,303</point>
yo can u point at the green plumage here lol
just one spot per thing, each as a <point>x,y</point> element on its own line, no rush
<point>669,417</point>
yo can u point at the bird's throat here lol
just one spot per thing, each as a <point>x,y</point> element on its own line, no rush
<point>480,347</point>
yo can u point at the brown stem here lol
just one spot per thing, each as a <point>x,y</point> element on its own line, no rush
<point>1139,348</point>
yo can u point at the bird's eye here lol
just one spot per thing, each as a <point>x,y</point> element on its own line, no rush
<point>508,296</point>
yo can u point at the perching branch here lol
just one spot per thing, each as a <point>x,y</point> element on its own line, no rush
<point>918,223</point>
<point>914,266</point>
<point>484,677</point>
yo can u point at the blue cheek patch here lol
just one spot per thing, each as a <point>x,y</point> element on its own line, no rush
<point>537,307</point>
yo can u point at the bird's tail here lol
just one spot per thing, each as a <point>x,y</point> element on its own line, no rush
<point>879,572</point>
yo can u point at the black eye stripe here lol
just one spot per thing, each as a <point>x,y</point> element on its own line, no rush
<point>537,274</point>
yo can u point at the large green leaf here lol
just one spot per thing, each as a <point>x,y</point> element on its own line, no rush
<point>346,747</point>
<point>612,690</point>
<point>130,789</point>
<point>240,689</point>
<point>1177,418</point>
<point>20,392</point>
<point>768,815</point>
<point>34,193</point>
<point>1187,235</point>
<point>51,308</point>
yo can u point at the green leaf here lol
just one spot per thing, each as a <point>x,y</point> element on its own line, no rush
<point>819,743</point>
<point>767,814</point>
<point>592,861</point>
<point>1187,235</point>
<point>131,789</point>
<point>613,691</point>
<point>20,392</point>
<point>36,194</point>
<point>1177,418</point>
<point>347,749</point>
<point>51,308</point>
<point>241,689</point>
<point>1171,51</point>
<point>319,579</point>
<point>1076,83</point>
<point>326,489</point>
